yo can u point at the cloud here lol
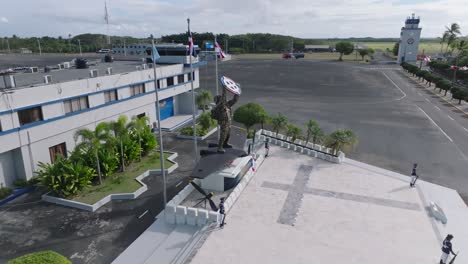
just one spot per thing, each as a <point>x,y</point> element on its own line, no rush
<point>4,19</point>
<point>301,18</point>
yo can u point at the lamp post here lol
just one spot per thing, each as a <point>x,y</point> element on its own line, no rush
<point>79,45</point>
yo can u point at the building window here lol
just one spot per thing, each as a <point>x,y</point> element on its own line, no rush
<point>170,81</point>
<point>1,127</point>
<point>110,96</point>
<point>57,150</point>
<point>30,115</point>
<point>189,77</point>
<point>137,89</point>
<point>76,104</point>
<point>159,84</point>
<point>180,78</point>
<point>193,75</point>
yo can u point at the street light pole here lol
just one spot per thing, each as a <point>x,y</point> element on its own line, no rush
<point>79,45</point>
<point>39,44</point>
<point>158,116</point>
<point>192,75</point>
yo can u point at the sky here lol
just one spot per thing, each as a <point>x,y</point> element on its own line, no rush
<point>299,18</point>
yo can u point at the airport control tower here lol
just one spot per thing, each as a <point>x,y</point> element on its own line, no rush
<point>409,40</point>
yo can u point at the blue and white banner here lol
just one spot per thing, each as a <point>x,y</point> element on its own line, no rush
<point>209,45</point>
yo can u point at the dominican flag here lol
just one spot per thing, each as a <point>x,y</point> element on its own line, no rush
<point>220,50</point>
<point>191,49</point>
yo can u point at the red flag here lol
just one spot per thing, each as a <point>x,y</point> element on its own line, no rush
<point>190,43</point>
<point>220,50</point>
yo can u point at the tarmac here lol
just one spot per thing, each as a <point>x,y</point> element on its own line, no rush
<point>299,209</point>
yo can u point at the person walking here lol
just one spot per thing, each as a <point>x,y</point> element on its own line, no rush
<point>446,249</point>
<point>414,176</point>
<point>222,212</point>
<point>267,147</point>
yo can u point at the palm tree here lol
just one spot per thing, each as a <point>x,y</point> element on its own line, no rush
<point>137,127</point>
<point>93,141</point>
<point>203,98</point>
<point>340,139</point>
<point>313,129</point>
<point>451,34</point>
<point>444,38</point>
<point>119,128</point>
<point>279,122</point>
<point>293,131</point>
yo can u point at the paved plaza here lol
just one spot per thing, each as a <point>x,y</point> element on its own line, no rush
<point>299,209</point>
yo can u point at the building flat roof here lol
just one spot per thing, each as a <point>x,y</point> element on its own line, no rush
<point>24,79</point>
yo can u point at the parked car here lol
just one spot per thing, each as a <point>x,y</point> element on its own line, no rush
<point>103,51</point>
<point>290,55</point>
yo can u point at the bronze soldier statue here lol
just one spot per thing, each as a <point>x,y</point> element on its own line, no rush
<point>222,113</point>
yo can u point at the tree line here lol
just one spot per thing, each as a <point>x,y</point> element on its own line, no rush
<point>252,114</point>
<point>459,93</point>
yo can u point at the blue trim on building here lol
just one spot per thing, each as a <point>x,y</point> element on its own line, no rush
<point>37,123</point>
<point>196,65</point>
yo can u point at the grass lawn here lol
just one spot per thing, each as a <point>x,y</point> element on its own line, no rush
<point>121,182</point>
<point>311,56</point>
<point>428,47</point>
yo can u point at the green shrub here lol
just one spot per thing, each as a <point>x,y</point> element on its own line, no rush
<point>5,192</point>
<point>41,257</point>
<point>131,150</point>
<point>188,131</point>
<point>64,177</point>
<point>205,121</point>
<point>21,183</point>
<point>148,142</point>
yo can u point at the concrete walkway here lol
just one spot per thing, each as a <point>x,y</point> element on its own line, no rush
<point>303,210</point>
<point>299,209</point>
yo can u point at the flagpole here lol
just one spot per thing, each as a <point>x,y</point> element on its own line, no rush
<point>158,116</point>
<point>193,94</point>
<point>216,77</point>
<point>216,63</point>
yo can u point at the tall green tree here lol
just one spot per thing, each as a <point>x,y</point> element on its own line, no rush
<point>136,128</point>
<point>249,114</point>
<point>344,48</point>
<point>93,142</point>
<point>120,131</point>
<point>279,121</point>
<point>452,32</point>
<point>395,49</point>
<point>313,130</point>
<point>203,98</point>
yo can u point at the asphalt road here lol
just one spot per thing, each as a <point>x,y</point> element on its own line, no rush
<point>396,122</point>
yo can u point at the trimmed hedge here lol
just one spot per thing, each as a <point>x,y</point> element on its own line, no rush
<point>41,257</point>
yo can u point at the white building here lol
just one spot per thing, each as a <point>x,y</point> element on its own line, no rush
<point>38,119</point>
<point>409,40</point>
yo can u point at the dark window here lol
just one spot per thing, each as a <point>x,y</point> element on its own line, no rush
<point>170,81</point>
<point>159,84</point>
<point>30,115</point>
<point>189,77</point>
<point>110,96</point>
<point>57,150</point>
<point>193,74</point>
<point>141,115</point>
<point>1,127</point>
<point>76,104</point>
<point>137,89</point>
<point>180,78</point>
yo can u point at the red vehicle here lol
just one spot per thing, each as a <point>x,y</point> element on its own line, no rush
<point>288,56</point>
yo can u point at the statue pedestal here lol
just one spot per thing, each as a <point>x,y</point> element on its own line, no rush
<point>229,177</point>
<point>221,171</point>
